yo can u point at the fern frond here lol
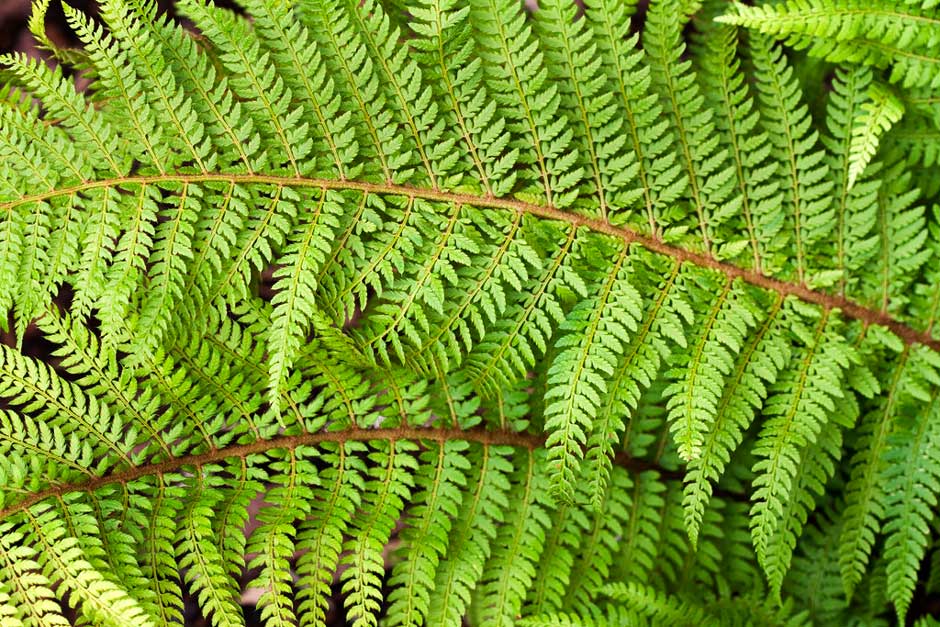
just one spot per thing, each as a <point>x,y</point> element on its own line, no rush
<point>518,543</point>
<point>184,131</point>
<point>609,168</point>
<point>470,313</point>
<point>266,96</point>
<point>865,492</point>
<point>272,541</point>
<point>800,406</point>
<point>295,282</point>
<point>25,584</point>
<point>654,605</point>
<point>426,540</point>
<point>471,540</point>
<point>658,171</point>
<point>692,400</point>
<point>321,537</point>
<point>635,559</point>
<point>588,352</point>
<point>747,145</point>
<point>34,387</point>
<point>116,82</point>
<point>516,76</point>
<point>817,464</point>
<point>594,560</point>
<point>880,33</point>
<point>305,75</point>
<point>102,600</point>
<point>414,105</point>
<point>91,132</point>
<point>912,477</point>
<point>157,558</point>
<point>206,573</point>
<point>805,211</point>
<point>882,112</point>
<point>556,561</point>
<point>761,359</point>
<point>902,240</point>
<point>708,175</point>
<point>483,131</point>
<point>855,204</point>
<point>389,484</point>
<point>524,332</point>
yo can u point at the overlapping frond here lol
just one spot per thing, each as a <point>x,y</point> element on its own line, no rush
<point>468,314</point>
<point>898,35</point>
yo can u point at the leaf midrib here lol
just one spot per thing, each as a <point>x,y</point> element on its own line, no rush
<point>848,308</point>
<point>529,441</point>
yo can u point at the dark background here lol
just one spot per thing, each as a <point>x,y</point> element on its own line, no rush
<point>15,36</point>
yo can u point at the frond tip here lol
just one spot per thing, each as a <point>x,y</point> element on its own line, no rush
<point>878,115</point>
<point>463,313</point>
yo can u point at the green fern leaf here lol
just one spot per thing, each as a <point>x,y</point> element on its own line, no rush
<point>878,116</point>
<point>480,313</point>
<point>589,352</point>
<point>880,33</point>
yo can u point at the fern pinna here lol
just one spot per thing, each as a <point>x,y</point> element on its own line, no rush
<point>473,312</point>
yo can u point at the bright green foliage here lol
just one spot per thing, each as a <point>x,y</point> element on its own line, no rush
<point>517,547</point>
<point>600,313</point>
<point>898,35</point>
<point>588,351</point>
<point>335,502</point>
<point>205,569</point>
<point>738,118</point>
<point>447,54</point>
<point>700,375</point>
<point>912,494</point>
<point>519,84</point>
<point>388,487</point>
<point>655,605</point>
<point>441,482</point>
<point>756,367</point>
<point>295,281</point>
<point>272,542</point>
<point>710,188</point>
<point>801,168</point>
<point>658,173</point>
<point>471,538</point>
<point>592,111</point>
<point>877,116</point>
<point>799,408</point>
<point>855,198</point>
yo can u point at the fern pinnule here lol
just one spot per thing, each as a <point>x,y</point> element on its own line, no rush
<point>444,313</point>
